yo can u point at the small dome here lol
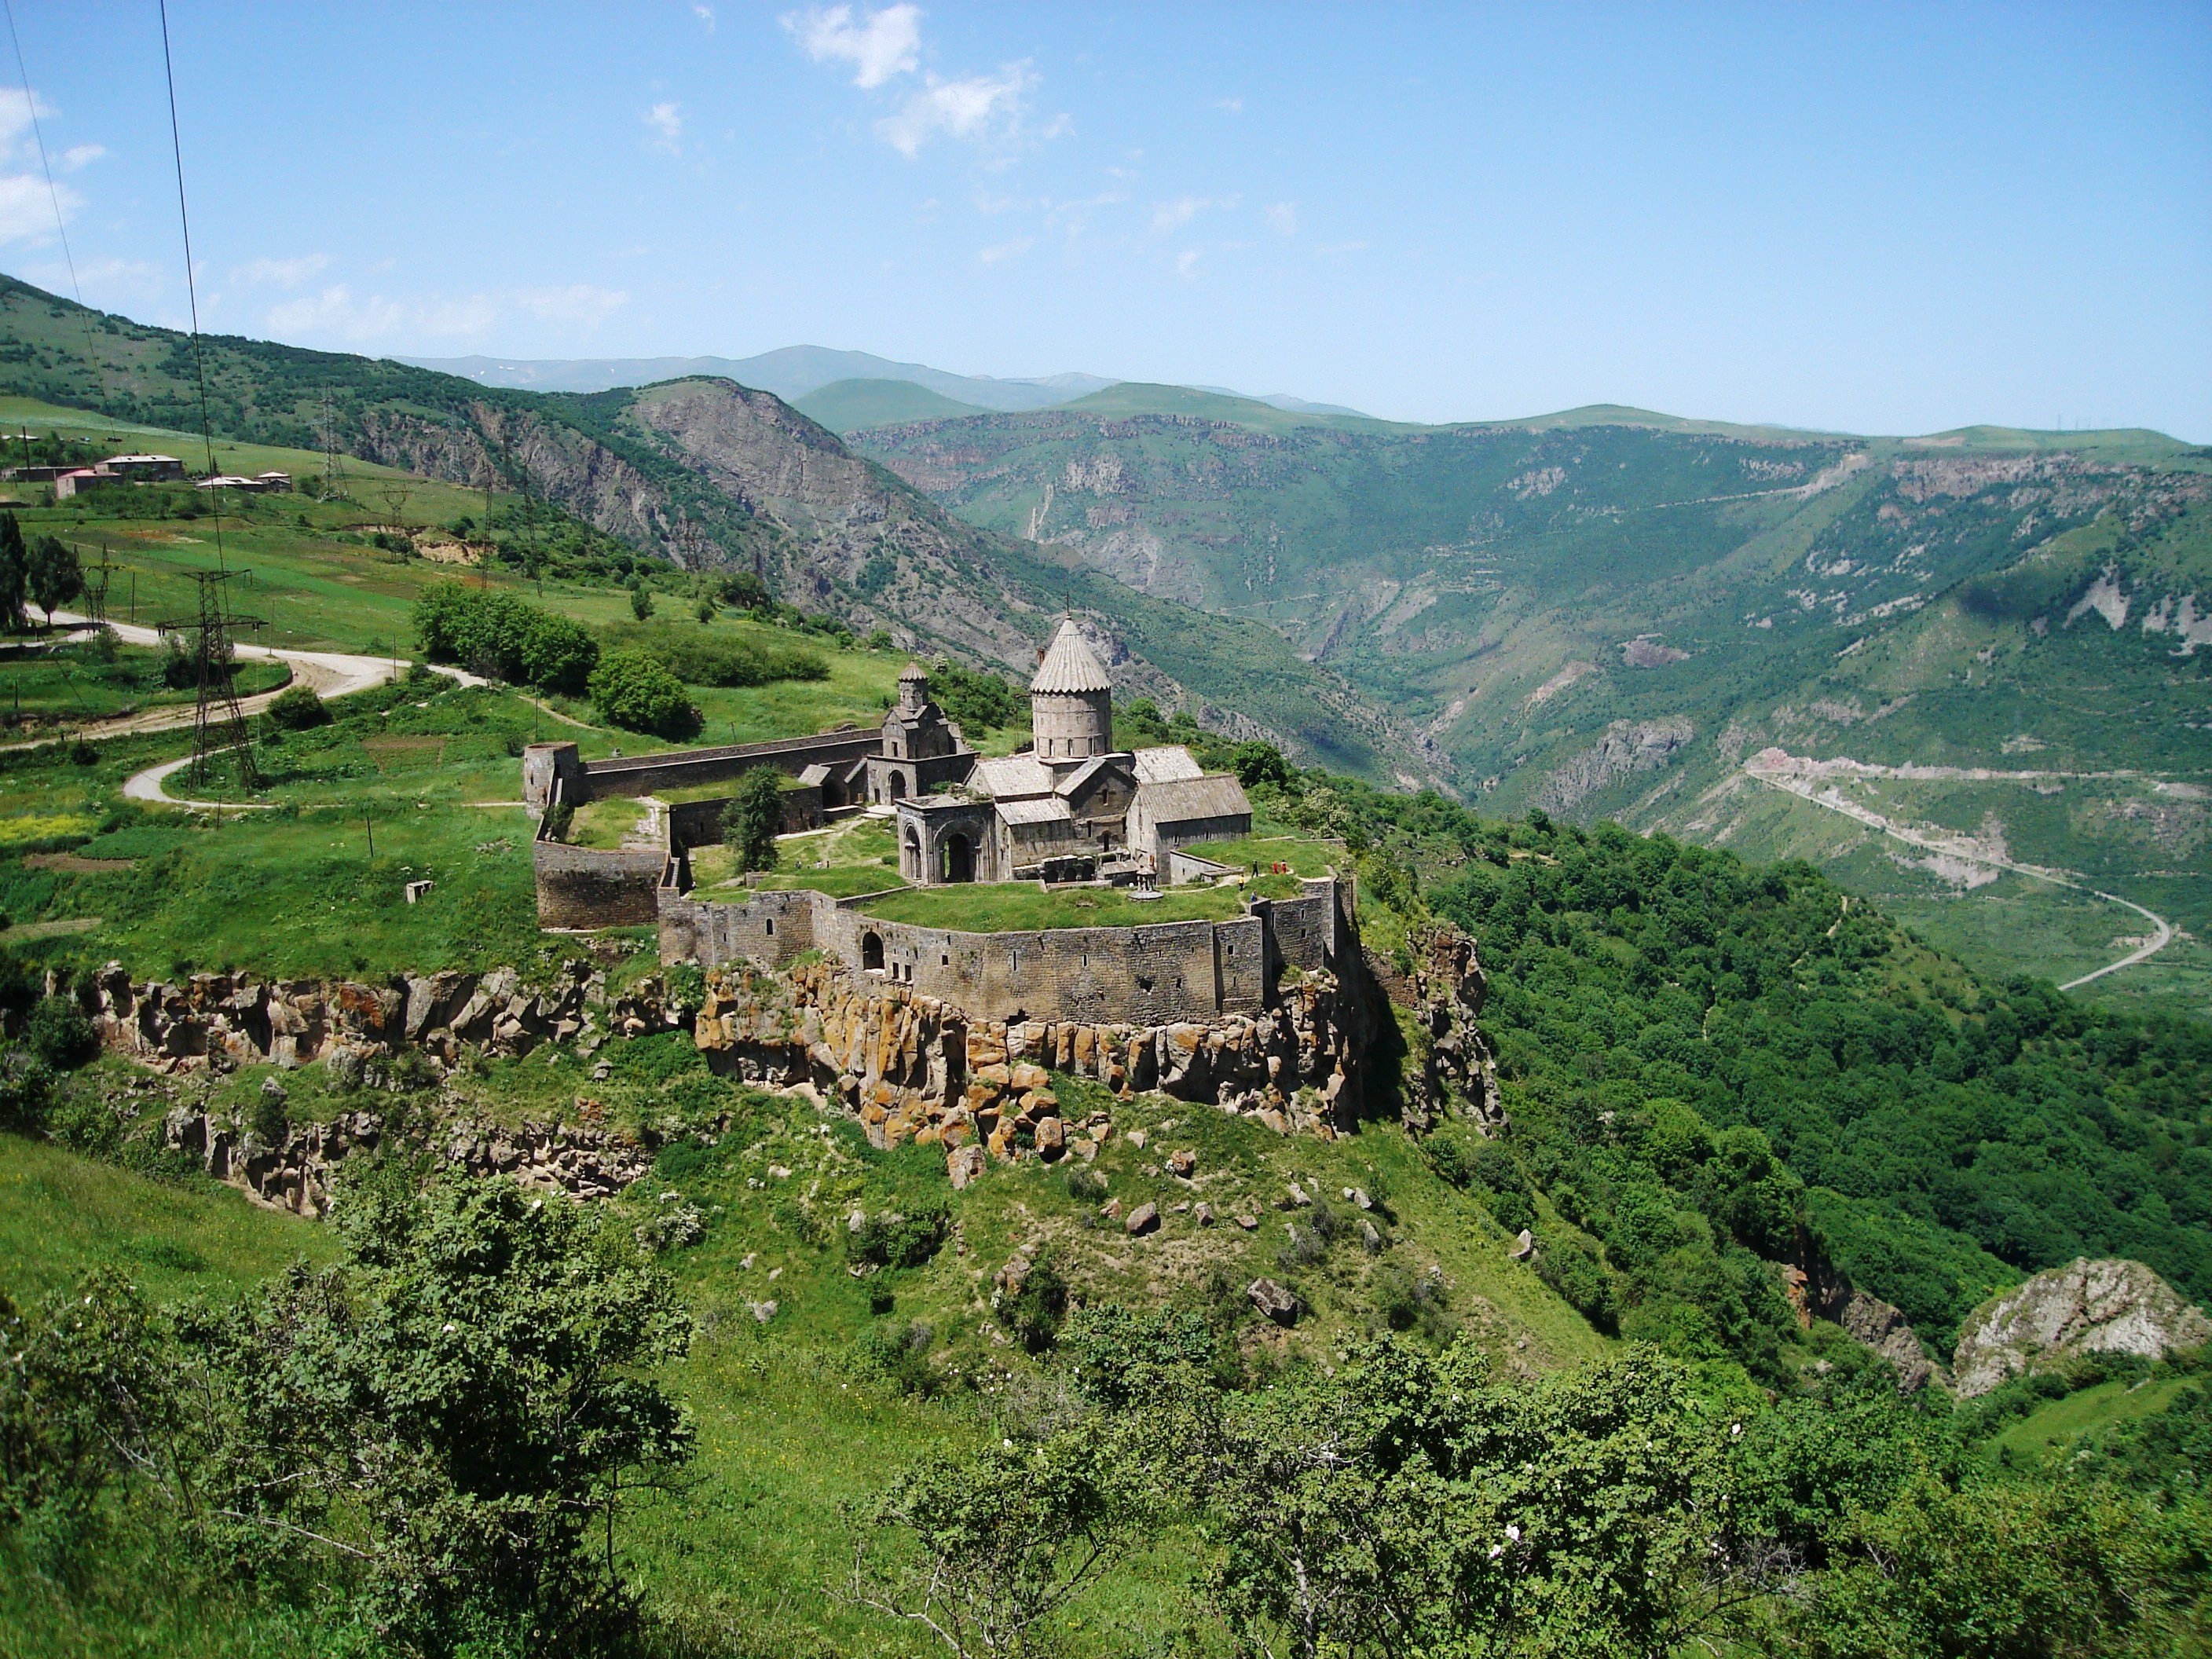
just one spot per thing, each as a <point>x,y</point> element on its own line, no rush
<point>1070,666</point>
<point>913,670</point>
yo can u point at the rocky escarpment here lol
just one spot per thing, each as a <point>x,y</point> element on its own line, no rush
<point>225,1020</point>
<point>583,1159</point>
<point>2106,1306</point>
<point>913,1067</point>
<point>1454,1073</point>
<point>1817,1289</point>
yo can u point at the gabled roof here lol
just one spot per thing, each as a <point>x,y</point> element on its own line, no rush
<point>1069,665</point>
<point>1167,763</point>
<point>1010,777</point>
<point>1048,810</point>
<point>1078,782</point>
<point>1181,800</point>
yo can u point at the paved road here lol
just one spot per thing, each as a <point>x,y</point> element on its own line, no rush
<point>1795,775</point>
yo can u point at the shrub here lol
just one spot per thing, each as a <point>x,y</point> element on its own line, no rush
<point>699,658</point>
<point>1086,1185</point>
<point>633,690</point>
<point>84,753</point>
<point>895,1238</point>
<point>58,1033</point>
<point>901,1352</point>
<point>1033,1314</point>
<point>27,1089</point>
<point>1571,1268</point>
<point>297,707</point>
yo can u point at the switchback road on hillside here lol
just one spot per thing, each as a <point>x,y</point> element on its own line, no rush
<point>1796,775</point>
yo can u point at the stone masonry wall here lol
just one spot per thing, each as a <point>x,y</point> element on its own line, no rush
<point>1183,970</point>
<point>586,887</point>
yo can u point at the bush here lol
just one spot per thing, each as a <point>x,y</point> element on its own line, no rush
<point>27,1089</point>
<point>1571,1268</point>
<point>297,708</point>
<point>699,658</point>
<point>895,1238</point>
<point>58,1033</point>
<point>84,753</point>
<point>1086,1185</point>
<point>1033,1314</point>
<point>633,690</point>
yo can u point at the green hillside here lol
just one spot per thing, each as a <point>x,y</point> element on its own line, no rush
<point>1129,399</point>
<point>849,405</point>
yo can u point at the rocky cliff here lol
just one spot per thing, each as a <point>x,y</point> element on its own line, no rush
<point>2085,1307</point>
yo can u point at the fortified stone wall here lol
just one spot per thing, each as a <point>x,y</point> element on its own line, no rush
<point>587,887</point>
<point>681,769</point>
<point>1186,970</point>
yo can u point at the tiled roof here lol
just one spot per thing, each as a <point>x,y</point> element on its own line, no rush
<point>1166,764</point>
<point>1069,665</point>
<point>1011,776</point>
<point>1180,801</point>
<point>1050,810</point>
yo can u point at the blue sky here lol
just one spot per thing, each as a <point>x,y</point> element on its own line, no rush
<point>1890,219</point>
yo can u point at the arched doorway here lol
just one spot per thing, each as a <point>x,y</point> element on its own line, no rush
<point>910,865</point>
<point>900,788</point>
<point>959,853</point>
<point>871,952</point>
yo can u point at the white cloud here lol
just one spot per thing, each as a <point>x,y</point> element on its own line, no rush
<point>705,15</point>
<point>579,302</point>
<point>281,273</point>
<point>981,106</point>
<point>1173,216</point>
<point>133,285</point>
<point>27,207</point>
<point>667,120</point>
<point>1234,105</point>
<point>16,108</point>
<point>888,43</point>
<point>1186,264</point>
<point>1284,218</point>
<point>336,313</point>
<point>77,156</point>
<point>990,256</point>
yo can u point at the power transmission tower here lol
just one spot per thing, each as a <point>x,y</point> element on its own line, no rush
<point>95,587</point>
<point>218,723</point>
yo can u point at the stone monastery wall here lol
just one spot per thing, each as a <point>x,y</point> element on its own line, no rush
<point>1176,971</point>
<point>591,887</point>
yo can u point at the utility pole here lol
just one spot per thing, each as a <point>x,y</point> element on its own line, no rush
<point>218,723</point>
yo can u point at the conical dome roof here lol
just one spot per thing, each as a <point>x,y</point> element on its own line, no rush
<point>913,670</point>
<point>1069,665</point>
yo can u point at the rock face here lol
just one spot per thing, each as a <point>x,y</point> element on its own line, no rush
<point>582,1160</point>
<point>913,1067</point>
<point>1445,989</point>
<point>227,1019</point>
<point>2108,1306</point>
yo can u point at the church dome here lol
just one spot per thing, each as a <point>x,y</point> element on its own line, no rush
<point>1070,666</point>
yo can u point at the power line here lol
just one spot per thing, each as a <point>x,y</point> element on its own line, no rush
<point>53,191</point>
<point>191,287</point>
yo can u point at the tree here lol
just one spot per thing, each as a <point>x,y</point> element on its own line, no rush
<point>632,689</point>
<point>53,574</point>
<point>15,571</point>
<point>1004,1539</point>
<point>754,817</point>
<point>744,590</point>
<point>641,600</point>
<point>1258,763</point>
<point>496,634</point>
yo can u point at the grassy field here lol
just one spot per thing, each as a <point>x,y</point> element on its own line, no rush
<point>61,1215</point>
<point>1024,906</point>
<point>64,685</point>
<point>2053,1428</point>
<point>606,825</point>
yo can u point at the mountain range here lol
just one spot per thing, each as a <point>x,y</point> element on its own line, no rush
<point>1969,673</point>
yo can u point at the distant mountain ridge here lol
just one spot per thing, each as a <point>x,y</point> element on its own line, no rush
<point>790,372</point>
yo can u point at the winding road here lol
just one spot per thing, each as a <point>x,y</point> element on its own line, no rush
<point>1796,775</point>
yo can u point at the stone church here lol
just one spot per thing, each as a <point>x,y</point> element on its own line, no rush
<point>1070,807</point>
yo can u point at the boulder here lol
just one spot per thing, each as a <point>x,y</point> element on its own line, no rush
<point>1884,1328</point>
<point>1524,1246</point>
<point>1273,1300</point>
<point>1145,1218</point>
<point>2108,1306</point>
<point>1182,1162</point>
